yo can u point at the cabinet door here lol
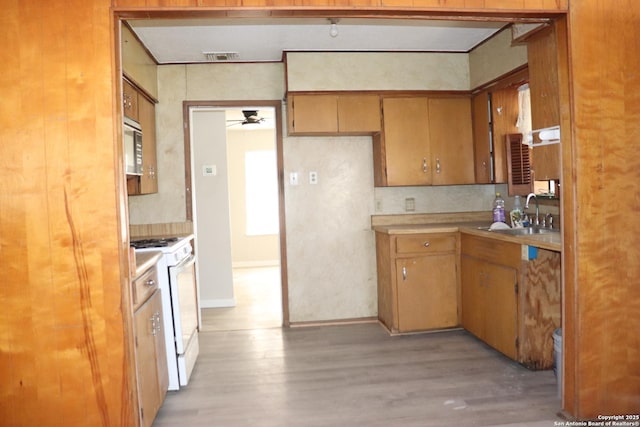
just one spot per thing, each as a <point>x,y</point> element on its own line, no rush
<point>504,115</point>
<point>451,139</point>
<point>145,330</point>
<point>130,100</point>
<point>482,138</point>
<point>500,303</point>
<point>473,280</point>
<point>313,114</point>
<point>151,358</point>
<point>427,293</point>
<point>149,178</point>
<point>544,85</point>
<point>406,141</point>
<point>359,114</point>
<point>160,350</point>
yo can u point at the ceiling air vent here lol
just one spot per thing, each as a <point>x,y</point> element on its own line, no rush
<point>221,56</point>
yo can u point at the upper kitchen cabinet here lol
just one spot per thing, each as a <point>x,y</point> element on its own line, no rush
<point>333,114</point>
<point>427,140</point>
<point>129,100</point>
<point>147,115</point>
<point>545,100</point>
<point>482,138</point>
<point>142,111</point>
<point>495,115</point>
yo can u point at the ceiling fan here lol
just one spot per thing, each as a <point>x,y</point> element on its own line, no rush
<point>250,118</point>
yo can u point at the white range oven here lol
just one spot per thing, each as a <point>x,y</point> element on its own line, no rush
<point>176,276</point>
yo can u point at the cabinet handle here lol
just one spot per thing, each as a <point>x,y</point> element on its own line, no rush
<point>150,282</point>
<point>437,165</point>
<point>404,273</point>
<point>424,164</point>
<point>153,325</point>
<point>426,244</point>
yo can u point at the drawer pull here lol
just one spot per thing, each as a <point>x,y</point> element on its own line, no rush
<point>150,282</point>
<point>424,165</point>
<point>427,244</point>
<point>404,273</point>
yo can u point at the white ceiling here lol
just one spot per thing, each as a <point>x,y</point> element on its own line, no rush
<point>256,40</point>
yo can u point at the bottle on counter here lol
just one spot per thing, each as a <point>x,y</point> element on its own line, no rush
<point>517,214</point>
<point>498,209</point>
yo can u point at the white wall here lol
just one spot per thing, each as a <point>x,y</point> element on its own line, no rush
<point>330,245</point>
<point>377,71</point>
<point>213,225</point>
<point>495,58</point>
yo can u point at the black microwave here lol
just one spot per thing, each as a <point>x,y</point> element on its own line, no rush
<point>132,147</point>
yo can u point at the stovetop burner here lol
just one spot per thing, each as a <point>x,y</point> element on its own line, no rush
<point>153,243</point>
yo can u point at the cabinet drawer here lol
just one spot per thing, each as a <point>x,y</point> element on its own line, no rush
<point>491,250</point>
<point>425,243</point>
<point>144,286</point>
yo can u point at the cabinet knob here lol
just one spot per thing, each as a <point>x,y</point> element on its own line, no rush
<point>150,282</point>
<point>427,244</point>
<point>424,164</point>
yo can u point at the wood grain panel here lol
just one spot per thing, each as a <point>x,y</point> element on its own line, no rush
<point>605,297</point>
<point>63,343</point>
<point>481,137</point>
<point>540,305</point>
<point>386,298</point>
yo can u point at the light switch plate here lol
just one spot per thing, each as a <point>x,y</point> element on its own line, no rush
<point>293,178</point>
<point>209,170</point>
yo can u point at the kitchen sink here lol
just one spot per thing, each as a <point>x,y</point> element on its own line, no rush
<point>527,231</point>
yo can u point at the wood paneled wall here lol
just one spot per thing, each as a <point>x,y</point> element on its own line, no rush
<point>436,5</point>
<point>64,341</point>
<point>65,348</point>
<point>601,172</point>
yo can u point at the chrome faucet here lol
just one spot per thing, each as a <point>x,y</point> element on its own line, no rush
<point>526,206</point>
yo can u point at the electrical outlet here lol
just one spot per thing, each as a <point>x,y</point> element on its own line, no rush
<point>409,204</point>
<point>313,177</point>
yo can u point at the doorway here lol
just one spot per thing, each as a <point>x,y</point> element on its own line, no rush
<point>234,154</point>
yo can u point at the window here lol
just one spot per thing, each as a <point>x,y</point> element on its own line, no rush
<point>261,192</point>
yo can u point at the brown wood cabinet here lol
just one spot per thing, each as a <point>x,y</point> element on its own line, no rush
<point>542,52</point>
<point>149,178</point>
<point>151,357</point>
<point>482,144</point>
<point>333,114</point>
<point>510,303</point>
<point>129,100</point>
<point>425,141</point>
<point>138,107</point>
<point>417,281</point>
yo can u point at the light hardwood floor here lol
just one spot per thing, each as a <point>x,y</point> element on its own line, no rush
<point>357,375</point>
<point>258,302</point>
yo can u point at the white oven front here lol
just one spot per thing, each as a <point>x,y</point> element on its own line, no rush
<point>185,315</point>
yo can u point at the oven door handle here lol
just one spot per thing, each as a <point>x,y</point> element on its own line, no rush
<point>191,259</point>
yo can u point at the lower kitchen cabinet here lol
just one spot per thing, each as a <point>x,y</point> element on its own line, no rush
<point>511,303</point>
<point>417,281</point>
<point>489,303</point>
<point>151,357</point>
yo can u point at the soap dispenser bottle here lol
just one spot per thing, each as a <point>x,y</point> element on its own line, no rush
<point>498,209</point>
<point>517,214</point>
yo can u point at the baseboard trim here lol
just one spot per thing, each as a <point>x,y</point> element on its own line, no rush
<point>256,264</point>
<point>218,303</point>
<point>333,322</point>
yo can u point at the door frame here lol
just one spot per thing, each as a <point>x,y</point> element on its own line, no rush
<point>224,105</point>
